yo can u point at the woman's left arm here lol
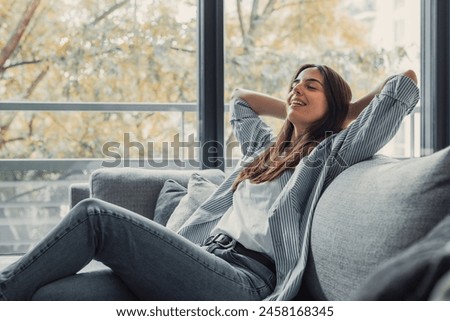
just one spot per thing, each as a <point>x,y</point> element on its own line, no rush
<point>379,121</point>
<point>358,106</point>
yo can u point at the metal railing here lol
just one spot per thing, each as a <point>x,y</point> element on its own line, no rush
<point>82,164</point>
<point>105,107</point>
<point>25,214</point>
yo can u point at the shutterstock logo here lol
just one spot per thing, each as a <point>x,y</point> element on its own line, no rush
<point>186,154</point>
<point>182,154</point>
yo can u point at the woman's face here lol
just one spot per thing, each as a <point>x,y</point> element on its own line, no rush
<point>306,100</point>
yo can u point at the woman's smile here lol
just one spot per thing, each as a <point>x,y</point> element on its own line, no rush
<point>297,103</point>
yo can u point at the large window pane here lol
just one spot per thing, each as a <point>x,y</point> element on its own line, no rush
<point>96,51</point>
<point>89,55</point>
<point>364,40</point>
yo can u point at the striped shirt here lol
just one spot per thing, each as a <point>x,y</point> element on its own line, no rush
<point>291,215</point>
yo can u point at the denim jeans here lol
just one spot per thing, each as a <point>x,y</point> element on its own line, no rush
<point>154,262</point>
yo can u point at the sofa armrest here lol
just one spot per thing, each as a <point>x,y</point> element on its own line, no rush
<point>137,189</point>
<point>77,193</point>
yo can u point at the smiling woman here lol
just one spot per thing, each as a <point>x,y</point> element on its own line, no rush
<point>325,94</point>
<point>317,105</point>
<point>307,101</point>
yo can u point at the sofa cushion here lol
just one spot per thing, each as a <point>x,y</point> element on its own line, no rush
<point>368,214</point>
<point>168,199</point>
<point>199,189</point>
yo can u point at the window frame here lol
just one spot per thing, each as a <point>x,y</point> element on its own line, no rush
<point>210,70</point>
<point>435,85</point>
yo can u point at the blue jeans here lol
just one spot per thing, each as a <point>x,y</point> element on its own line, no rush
<point>154,262</point>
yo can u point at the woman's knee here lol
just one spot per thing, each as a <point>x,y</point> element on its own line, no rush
<point>87,207</point>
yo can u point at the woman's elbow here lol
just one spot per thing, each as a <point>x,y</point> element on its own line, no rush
<point>237,93</point>
<point>411,74</point>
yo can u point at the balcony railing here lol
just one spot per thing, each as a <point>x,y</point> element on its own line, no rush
<point>28,209</point>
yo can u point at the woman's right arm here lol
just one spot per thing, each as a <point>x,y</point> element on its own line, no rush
<point>249,128</point>
<point>262,104</point>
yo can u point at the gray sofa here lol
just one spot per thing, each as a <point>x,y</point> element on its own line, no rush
<point>371,221</point>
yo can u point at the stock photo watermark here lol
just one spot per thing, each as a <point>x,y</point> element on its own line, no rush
<point>186,154</point>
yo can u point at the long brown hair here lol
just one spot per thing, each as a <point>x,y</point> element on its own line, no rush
<point>287,152</point>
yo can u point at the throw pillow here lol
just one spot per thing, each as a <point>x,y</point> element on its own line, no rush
<point>199,189</point>
<point>168,199</point>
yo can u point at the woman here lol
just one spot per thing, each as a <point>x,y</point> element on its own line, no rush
<point>249,240</point>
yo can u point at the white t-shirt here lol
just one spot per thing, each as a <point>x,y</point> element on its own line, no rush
<point>247,220</point>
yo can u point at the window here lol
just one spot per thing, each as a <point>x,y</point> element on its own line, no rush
<point>121,53</point>
<point>365,41</point>
<point>84,77</point>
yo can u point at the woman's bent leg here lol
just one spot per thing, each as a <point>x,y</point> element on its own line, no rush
<point>154,262</point>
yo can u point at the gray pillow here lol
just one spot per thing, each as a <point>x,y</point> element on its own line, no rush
<point>199,189</point>
<point>168,199</point>
<point>369,214</point>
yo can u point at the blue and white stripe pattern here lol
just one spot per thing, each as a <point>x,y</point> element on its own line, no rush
<point>291,215</point>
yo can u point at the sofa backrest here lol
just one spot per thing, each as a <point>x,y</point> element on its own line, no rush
<point>137,189</point>
<point>368,214</point>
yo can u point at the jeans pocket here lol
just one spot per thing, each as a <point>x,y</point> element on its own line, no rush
<point>262,278</point>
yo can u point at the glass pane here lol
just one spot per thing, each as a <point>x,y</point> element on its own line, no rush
<point>96,53</point>
<point>31,203</point>
<point>364,40</point>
